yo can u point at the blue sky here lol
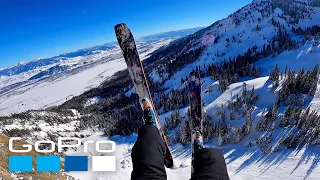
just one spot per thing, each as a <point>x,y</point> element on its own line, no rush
<point>32,29</point>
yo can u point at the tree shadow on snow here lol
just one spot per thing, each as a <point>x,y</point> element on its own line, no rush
<point>266,161</point>
<point>180,151</point>
<point>310,152</point>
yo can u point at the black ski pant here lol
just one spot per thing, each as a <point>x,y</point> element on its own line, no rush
<point>148,159</point>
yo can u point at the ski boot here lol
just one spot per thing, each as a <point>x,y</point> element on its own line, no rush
<point>198,141</point>
<point>148,114</point>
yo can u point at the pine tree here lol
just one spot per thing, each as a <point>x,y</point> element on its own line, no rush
<point>227,134</point>
<point>262,124</point>
<point>274,110</point>
<point>244,92</point>
<point>296,114</point>
<point>237,134</point>
<point>274,76</point>
<point>253,96</point>
<point>220,139</point>
<point>285,120</point>
<point>208,127</point>
<point>167,134</point>
<point>182,135</point>
<point>314,77</point>
<point>303,118</point>
<point>299,101</point>
<point>175,137</point>
<point>248,124</point>
<point>286,71</point>
<point>223,84</point>
<point>232,114</point>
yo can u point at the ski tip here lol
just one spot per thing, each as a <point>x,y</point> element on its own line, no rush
<point>120,26</point>
<point>124,35</point>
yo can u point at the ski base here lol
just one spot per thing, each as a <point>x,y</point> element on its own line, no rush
<point>195,115</point>
<point>136,71</point>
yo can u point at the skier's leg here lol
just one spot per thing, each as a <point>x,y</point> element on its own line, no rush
<point>209,163</point>
<point>148,155</point>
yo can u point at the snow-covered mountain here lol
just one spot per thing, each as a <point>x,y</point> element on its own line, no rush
<point>34,84</point>
<point>26,66</point>
<point>261,92</point>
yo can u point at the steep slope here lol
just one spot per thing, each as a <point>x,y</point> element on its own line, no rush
<point>261,29</point>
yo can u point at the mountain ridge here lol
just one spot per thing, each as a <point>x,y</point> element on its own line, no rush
<point>33,64</point>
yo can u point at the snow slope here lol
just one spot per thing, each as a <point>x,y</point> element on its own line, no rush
<point>51,93</point>
<point>242,163</point>
<point>294,60</point>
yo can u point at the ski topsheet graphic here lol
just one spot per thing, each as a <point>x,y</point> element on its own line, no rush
<point>136,71</point>
<point>195,114</point>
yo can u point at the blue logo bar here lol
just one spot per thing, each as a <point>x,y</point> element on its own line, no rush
<point>48,163</point>
<point>76,163</point>
<point>20,163</point>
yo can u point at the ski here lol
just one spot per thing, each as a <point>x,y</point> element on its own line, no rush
<point>195,114</point>
<point>136,71</point>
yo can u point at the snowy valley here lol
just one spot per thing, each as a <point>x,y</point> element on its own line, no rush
<point>34,85</point>
<point>261,93</point>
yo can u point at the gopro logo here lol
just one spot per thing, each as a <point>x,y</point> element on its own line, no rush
<point>71,163</point>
